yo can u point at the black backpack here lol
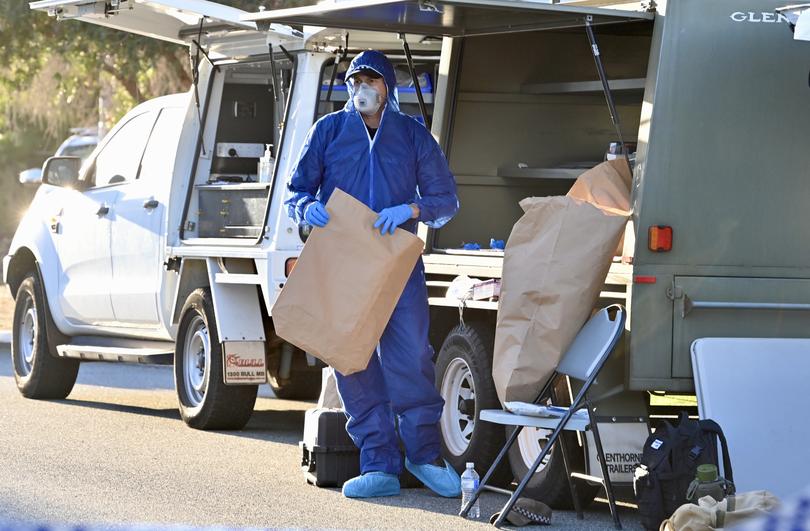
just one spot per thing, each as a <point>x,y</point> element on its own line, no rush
<point>668,465</point>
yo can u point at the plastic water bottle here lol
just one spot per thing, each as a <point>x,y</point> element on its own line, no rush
<point>266,163</point>
<point>469,484</point>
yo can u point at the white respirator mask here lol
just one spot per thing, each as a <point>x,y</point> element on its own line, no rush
<point>367,100</point>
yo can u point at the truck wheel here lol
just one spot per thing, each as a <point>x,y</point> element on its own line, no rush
<point>39,373</point>
<point>464,379</point>
<point>206,403</point>
<point>304,382</point>
<point>549,484</point>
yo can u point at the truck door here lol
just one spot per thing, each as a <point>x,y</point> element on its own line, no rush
<point>85,225</point>
<point>139,227</point>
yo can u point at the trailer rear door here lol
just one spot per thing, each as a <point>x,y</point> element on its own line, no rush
<point>450,18</point>
<point>714,306</point>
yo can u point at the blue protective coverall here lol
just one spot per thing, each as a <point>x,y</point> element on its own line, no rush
<point>403,164</point>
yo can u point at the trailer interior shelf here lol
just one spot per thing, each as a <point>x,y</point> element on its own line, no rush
<point>403,97</point>
<point>568,174</point>
<point>454,303</point>
<point>583,87</point>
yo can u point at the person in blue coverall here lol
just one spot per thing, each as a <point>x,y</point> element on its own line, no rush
<point>389,161</point>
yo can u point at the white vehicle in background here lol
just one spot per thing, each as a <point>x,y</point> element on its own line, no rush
<point>80,144</point>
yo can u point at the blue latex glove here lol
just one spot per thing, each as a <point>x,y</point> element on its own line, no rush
<point>316,215</point>
<point>393,217</point>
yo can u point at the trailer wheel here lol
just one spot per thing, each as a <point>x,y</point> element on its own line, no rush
<point>304,382</point>
<point>549,483</point>
<point>206,403</point>
<point>464,379</point>
<point>39,373</point>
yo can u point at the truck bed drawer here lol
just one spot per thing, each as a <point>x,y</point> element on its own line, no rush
<point>232,211</point>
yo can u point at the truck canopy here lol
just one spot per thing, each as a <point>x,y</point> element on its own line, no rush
<point>175,21</point>
<point>451,18</point>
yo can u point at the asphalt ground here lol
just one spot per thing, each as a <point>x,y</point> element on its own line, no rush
<point>116,452</point>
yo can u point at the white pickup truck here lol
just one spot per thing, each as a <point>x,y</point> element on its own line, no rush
<point>168,245</point>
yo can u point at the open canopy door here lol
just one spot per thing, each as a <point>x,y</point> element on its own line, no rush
<point>799,18</point>
<point>176,21</point>
<point>451,18</point>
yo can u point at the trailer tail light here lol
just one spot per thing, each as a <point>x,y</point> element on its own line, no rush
<point>659,238</point>
<point>644,279</point>
<point>289,265</point>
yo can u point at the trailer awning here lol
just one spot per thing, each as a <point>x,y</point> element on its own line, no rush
<point>452,18</point>
<point>176,21</point>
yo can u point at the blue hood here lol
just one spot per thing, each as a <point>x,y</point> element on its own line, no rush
<point>377,61</point>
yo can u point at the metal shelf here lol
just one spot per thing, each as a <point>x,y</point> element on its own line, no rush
<point>230,186</point>
<point>565,174</point>
<point>584,87</point>
<point>454,303</point>
<point>404,97</point>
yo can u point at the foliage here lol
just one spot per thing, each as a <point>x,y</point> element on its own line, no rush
<point>62,75</point>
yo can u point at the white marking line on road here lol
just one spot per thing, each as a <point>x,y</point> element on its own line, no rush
<point>5,336</point>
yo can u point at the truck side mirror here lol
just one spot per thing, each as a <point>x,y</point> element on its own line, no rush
<point>31,176</point>
<point>62,171</point>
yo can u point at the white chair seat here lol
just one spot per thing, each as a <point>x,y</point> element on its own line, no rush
<point>578,422</point>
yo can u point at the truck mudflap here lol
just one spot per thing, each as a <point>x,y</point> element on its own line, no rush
<point>623,441</point>
<point>244,363</point>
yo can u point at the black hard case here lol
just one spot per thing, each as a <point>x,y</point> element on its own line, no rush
<point>328,455</point>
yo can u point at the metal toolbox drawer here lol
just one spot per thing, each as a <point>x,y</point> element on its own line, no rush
<point>232,210</point>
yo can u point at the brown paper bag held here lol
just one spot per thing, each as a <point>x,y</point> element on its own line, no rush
<point>608,185</point>
<point>555,264</point>
<point>347,281</point>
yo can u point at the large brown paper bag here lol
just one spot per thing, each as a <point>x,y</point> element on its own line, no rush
<point>345,285</point>
<point>608,184</point>
<point>555,264</point>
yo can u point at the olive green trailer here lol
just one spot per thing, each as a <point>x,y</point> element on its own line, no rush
<point>711,94</point>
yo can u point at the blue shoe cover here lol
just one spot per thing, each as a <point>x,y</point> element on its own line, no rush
<point>443,481</point>
<point>372,485</point>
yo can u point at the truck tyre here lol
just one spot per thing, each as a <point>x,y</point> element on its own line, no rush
<point>464,379</point>
<point>549,484</point>
<point>206,403</point>
<point>304,382</point>
<point>38,371</point>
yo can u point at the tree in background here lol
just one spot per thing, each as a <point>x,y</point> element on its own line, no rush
<point>54,76</point>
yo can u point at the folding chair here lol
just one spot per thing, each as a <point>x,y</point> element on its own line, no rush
<point>583,361</point>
